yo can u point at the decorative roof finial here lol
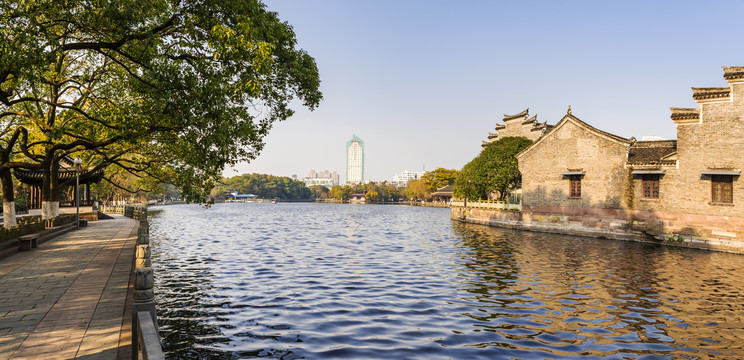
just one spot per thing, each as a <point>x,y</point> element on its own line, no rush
<point>569,110</point>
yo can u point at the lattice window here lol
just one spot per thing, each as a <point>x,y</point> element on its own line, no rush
<point>650,186</point>
<point>575,189</point>
<point>722,189</point>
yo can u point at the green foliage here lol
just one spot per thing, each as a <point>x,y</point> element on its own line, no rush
<point>340,192</point>
<point>319,191</point>
<point>493,170</point>
<point>374,192</point>
<point>26,225</point>
<point>439,178</point>
<point>385,192</point>
<point>371,196</point>
<point>171,90</point>
<point>676,238</point>
<point>60,220</point>
<point>264,186</point>
<point>418,190</point>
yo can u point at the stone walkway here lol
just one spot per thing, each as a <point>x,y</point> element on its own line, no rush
<point>67,299</point>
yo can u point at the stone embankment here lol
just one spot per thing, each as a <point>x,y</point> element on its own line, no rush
<point>683,230</point>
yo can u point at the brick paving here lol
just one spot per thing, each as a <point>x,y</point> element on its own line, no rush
<point>67,299</point>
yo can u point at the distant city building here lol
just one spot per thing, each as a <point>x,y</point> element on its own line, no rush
<point>327,182</point>
<point>336,178</point>
<point>325,178</point>
<point>403,178</point>
<point>354,161</point>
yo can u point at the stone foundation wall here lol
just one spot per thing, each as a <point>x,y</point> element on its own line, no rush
<point>719,233</point>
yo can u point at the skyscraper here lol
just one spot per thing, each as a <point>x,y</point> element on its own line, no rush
<point>354,160</point>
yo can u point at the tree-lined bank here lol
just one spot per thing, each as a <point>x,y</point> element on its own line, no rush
<point>168,92</point>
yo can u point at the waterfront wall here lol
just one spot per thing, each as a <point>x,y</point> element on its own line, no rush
<point>711,232</point>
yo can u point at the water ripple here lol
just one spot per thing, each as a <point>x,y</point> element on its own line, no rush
<point>307,281</point>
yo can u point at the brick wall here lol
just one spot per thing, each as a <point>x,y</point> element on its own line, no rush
<point>572,146</point>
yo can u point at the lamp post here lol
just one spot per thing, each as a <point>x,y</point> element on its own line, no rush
<point>78,161</point>
<point>466,195</point>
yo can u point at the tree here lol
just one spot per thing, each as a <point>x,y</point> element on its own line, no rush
<point>319,191</point>
<point>371,196</point>
<point>493,170</point>
<point>175,91</point>
<point>340,192</point>
<point>438,178</point>
<point>417,189</point>
<point>264,186</point>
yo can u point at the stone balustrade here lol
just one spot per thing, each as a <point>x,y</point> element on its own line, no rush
<point>486,204</point>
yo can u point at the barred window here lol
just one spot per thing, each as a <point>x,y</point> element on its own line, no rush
<point>575,187</point>
<point>722,189</point>
<point>650,186</point>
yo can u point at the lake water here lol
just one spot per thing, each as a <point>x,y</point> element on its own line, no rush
<point>339,281</point>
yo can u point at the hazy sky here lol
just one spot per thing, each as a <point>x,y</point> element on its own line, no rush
<point>422,82</point>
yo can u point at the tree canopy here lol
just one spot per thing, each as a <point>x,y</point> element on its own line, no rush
<point>417,190</point>
<point>438,178</point>
<point>264,186</point>
<point>374,192</point>
<point>173,90</point>
<point>493,170</point>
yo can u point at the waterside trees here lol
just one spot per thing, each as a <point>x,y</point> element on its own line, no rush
<point>174,91</point>
<point>264,186</point>
<point>494,170</point>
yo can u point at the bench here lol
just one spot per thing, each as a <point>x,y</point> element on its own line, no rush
<point>28,242</point>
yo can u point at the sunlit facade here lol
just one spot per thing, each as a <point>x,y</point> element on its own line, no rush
<point>354,161</point>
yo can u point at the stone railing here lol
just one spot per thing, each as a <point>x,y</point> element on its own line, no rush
<point>145,338</point>
<point>148,340</point>
<point>486,204</point>
<point>133,211</point>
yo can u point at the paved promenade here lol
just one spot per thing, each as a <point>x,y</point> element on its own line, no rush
<point>66,299</point>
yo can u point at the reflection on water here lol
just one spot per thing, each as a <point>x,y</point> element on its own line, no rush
<point>307,281</point>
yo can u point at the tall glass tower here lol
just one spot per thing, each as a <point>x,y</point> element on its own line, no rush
<point>354,160</point>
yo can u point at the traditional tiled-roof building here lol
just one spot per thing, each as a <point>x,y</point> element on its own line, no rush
<point>578,179</point>
<point>519,125</point>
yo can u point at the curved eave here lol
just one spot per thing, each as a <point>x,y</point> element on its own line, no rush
<point>517,116</point>
<point>35,178</point>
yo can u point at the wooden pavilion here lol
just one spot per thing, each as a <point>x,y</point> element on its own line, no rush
<point>443,194</point>
<point>32,179</point>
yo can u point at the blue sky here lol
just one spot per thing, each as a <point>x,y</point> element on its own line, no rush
<point>423,82</point>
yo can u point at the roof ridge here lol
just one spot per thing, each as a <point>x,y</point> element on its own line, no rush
<point>702,93</point>
<point>611,135</point>
<point>524,113</point>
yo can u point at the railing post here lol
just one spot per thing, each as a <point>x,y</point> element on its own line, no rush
<point>144,296</point>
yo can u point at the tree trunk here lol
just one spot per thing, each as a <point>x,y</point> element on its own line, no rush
<point>9,215</point>
<point>55,189</point>
<point>50,188</point>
